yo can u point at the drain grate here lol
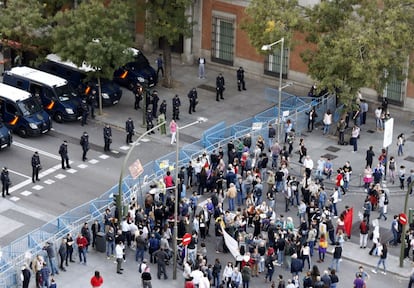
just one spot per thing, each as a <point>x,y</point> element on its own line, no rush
<point>207,87</point>
<point>329,156</point>
<point>370,131</point>
<point>409,158</point>
<point>332,149</point>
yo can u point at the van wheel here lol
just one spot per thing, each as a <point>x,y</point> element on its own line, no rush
<point>22,132</point>
<point>58,117</point>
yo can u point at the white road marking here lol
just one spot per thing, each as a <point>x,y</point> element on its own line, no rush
<point>82,166</point>
<point>33,149</point>
<point>20,185</point>
<point>124,148</point>
<point>49,181</point>
<point>14,199</point>
<point>93,161</point>
<point>38,187</point>
<point>60,176</point>
<point>72,171</point>
<point>26,193</point>
<point>104,156</point>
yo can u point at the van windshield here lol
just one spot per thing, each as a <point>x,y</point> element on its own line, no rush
<point>29,106</point>
<point>65,93</point>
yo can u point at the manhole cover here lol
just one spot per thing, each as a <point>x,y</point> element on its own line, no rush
<point>370,131</point>
<point>329,156</point>
<point>207,87</point>
<point>333,149</point>
<point>409,158</point>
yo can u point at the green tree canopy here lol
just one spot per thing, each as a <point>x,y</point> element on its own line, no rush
<point>356,40</point>
<point>167,21</point>
<point>97,33</point>
<point>22,21</point>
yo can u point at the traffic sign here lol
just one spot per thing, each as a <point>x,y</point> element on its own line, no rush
<point>136,169</point>
<point>186,239</point>
<point>402,218</point>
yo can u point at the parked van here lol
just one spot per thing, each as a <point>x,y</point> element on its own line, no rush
<point>21,112</point>
<point>77,77</point>
<point>136,72</point>
<point>55,94</point>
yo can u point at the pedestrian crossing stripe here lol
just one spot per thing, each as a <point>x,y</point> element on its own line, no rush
<point>37,187</point>
<point>72,171</point>
<point>60,176</point>
<point>93,161</point>
<point>26,193</point>
<point>14,199</point>
<point>49,181</point>
<point>82,166</point>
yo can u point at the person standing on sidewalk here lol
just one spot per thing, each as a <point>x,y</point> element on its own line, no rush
<point>220,87</point>
<point>201,67</point>
<point>363,233</point>
<point>119,252</point>
<point>241,84</point>
<point>176,103</point>
<point>192,97</point>
<point>146,278</point>
<point>173,131</point>
<point>82,243</point>
<point>160,66</point>
<point>96,280</point>
<point>337,255</point>
<point>62,254</point>
<point>383,258</point>
<point>35,166</point>
<point>5,181</point>
<point>354,137</point>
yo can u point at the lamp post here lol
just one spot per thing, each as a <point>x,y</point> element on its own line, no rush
<point>121,175</point>
<point>267,48</point>
<point>177,159</point>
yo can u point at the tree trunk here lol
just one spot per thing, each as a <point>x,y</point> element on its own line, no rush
<point>168,80</point>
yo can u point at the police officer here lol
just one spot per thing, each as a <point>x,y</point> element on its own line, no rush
<point>176,103</point>
<point>35,167</point>
<point>138,90</point>
<point>163,108</point>
<point>130,129</point>
<point>63,151</point>
<point>84,111</point>
<point>5,181</point>
<point>192,96</point>
<point>107,134</point>
<point>219,87</point>
<point>150,118</point>
<point>240,79</point>
<point>92,102</point>
<point>84,142</point>
<point>148,99</point>
<point>155,100</point>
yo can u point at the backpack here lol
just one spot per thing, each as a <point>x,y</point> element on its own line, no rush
<point>257,192</point>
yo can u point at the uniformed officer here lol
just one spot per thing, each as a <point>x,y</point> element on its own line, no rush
<point>35,167</point>
<point>155,100</point>
<point>85,112</point>
<point>192,96</point>
<point>149,119</point>
<point>163,108</point>
<point>219,87</point>
<point>138,90</point>
<point>130,129</point>
<point>92,102</point>
<point>84,142</point>
<point>63,151</point>
<point>240,79</point>
<point>176,103</point>
<point>5,181</point>
<point>107,134</point>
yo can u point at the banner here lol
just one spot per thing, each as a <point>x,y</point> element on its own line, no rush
<point>348,221</point>
<point>232,245</point>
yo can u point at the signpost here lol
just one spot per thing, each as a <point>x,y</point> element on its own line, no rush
<point>186,239</point>
<point>136,169</point>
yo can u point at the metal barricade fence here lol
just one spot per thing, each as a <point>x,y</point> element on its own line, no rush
<point>13,255</point>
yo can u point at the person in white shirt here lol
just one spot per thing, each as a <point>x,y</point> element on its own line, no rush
<point>119,252</point>
<point>204,282</point>
<point>197,275</point>
<point>308,164</point>
<point>327,121</point>
<point>228,271</point>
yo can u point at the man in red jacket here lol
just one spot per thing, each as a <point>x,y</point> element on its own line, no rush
<point>82,243</point>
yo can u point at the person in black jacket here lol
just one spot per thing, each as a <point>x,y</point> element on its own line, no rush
<point>192,97</point>
<point>176,103</point>
<point>35,167</point>
<point>63,151</point>
<point>154,102</point>
<point>25,276</point>
<point>107,133</point>
<point>240,79</point>
<point>149,119</point>
<point>129,128</point>
<point>219,87</point>
<point>84,142</point>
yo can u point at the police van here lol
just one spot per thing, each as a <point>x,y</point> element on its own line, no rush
<point>77,77</point>
<point>55,94</point>
<point>21,113</point>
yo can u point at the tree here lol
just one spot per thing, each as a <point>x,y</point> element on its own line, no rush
<point>167,21</point>
<point>355,40</point>
<point>98,33</point>
<point>21,22</point>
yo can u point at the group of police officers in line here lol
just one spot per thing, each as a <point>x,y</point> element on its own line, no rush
<point>89,102</point>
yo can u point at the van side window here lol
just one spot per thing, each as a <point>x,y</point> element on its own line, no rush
<point>49,94</point>
<point>19,84</point>
<point>10,108</point>
<point>36,91</point>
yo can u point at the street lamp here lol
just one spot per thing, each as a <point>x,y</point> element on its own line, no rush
<point>267,47</point>
<point>121,175</point>
<point>177,159</point>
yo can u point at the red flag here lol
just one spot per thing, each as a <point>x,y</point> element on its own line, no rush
<point>348,221</point>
